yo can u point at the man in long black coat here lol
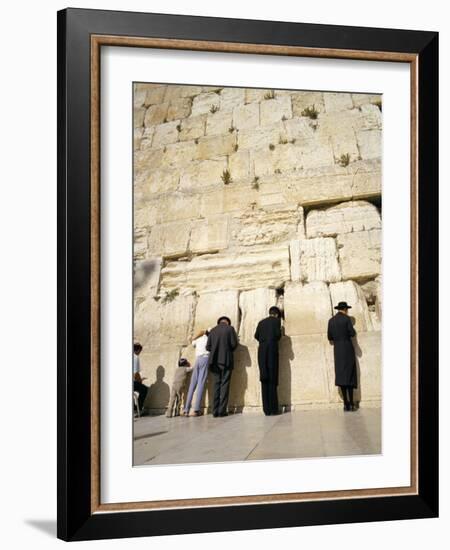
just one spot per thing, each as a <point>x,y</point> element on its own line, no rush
<point>268,333</point>
<point>222,341</point>
<point>340,333</point>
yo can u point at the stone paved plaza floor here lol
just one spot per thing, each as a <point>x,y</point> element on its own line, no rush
<point>253,436</point>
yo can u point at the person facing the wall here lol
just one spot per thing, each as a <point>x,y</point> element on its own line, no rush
<point>268,334</point>
<point>340,333</point>
<point>222,341</point>
<point>138,385</point>
<point>199,374</point>
<point>179,379</point>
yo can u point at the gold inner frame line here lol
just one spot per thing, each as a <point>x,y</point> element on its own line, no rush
<point>97,41</point>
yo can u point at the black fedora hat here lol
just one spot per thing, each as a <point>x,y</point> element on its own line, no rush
<point>342,305</point>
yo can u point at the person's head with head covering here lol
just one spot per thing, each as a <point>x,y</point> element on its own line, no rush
<point>342,306</point>
<point>224,319</point>
<point>183,362</point>
<point>137,347</point>
<point>274,311</point>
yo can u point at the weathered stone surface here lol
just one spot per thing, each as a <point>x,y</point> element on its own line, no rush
<point>246,116</point>
<point>255,94</point>
<point>350,292</point>
<point>257,226</point>
<point>139,115</point>
<point>153,182</point>
<point>165,133</point>
<point>229,198</point>
<point>140,247</point>
<point>365,99</point>
<point>154,95</point>
<point>202,174</point>
<point>268,267</point>
<point>261,138</point>
<point>215,146</point>
<point>372,116</point>
<point>337,101</point>
<point>219,123</point>
<point>239,165</point>
<point>374,296</point>
<point>178,154</point>
<point>167,320</point>
<point>302,370</point>
<point>305,100</point>
<point>231,98</point>
<point>317,258</point>
<point>137,137</point>
<point>169,239</point>
<point>307,308</point>
<point>254,306</point>
<point>193,128</point>
<point>209,235</point>
<point>275,110</point>
<point>179,108</point>
<point>298,128</point>
<point>146,277</point>
<point>346,217</point>
<point>139,96</point>
<point>369,143</point>
<point>360,254</point>
<point>174,92</point>
<point>212,305</point>
<point>345,148</point>
<point>203,103</point>
<point>156,114</point>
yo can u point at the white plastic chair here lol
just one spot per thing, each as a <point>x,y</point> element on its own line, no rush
<point>136,402</point>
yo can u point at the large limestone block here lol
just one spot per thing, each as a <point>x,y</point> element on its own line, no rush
<point>169,239</point>
<point>158,367</point>
<point>154,182</point>
<point>193,127</point>
<point>337,101</point>
<point>315,260</point>
<point>203,103</point>
<point>174,92</point>
<point>229,198</point>
<point>350,292</point>
<point>215,146</point>
<point>369,142</point>
<point>212,305</point>
<point>156,114</point>
<point>239,165</point>
<point>177,154</point>
<point>307,308</point>
<point>374,296</point>
<point>179,108</point>
<point>219,123</point>
<point>167,319</point>
<point>261,138</point>
<point>346,217</point>
<point>360,254</point>
<point>298,128</point>
<point>275,110</point>
<point>209,235</point>
<point>154,95</point>
<point>246,116</point>
<point>257,226</point>
<point>245,386</point>
<point>372,116</point>
<point>255,95</point>
<point>146,277</point>
<point>305,100</point>
<point>139,96</point>
<point>303,370</point>
<point>173,206</point>
<point>254,306</point>
<point>345,148</point>
<point>336,123</point>
<point>165,133</point>
<point>366,99</point>
<point>138,116</point>
<point>267,267</point>
<point>140,242</point>
<point>368,368</point>
<point>198,175</point>
<point>231,98</point>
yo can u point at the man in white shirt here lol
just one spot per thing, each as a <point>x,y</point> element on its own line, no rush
<point>138,386</point>
<point>199,374</point>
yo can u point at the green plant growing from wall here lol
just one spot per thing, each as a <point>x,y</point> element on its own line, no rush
<point>226,177</point>
<point>255,184</point>
<point>344,160</point>
<point>170,296</point>
<point>272,147</point>
<point>269,95</point>
<point>311,112</point>
<point>214,109</point>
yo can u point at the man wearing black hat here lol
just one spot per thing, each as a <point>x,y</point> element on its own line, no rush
<point>222,341</point>
<point>340,332</point>
<point>268,333</point>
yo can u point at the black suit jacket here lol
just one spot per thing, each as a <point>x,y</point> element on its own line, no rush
<point>222,341</point>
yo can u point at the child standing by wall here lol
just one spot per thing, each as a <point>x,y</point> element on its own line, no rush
<point>177,386</point>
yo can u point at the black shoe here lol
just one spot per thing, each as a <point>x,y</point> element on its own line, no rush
<point>223,414</point>
<point>353,407</point>
<point>347,408</point>
<point>216,415</point>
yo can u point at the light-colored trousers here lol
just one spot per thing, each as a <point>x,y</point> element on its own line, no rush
<point>198,380</point>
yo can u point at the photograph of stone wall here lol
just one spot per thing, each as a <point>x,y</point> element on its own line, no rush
<point>248,198</point>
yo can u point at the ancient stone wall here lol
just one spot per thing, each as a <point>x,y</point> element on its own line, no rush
<point>247,198</point>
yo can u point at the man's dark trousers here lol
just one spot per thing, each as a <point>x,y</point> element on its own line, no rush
<point>142,389</point>
<point>222,378</point>
<point>269,398</point>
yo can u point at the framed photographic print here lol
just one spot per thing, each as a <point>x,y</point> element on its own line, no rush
<point>247,274</point>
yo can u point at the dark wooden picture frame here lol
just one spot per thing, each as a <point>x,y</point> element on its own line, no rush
<point>81,34</point>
